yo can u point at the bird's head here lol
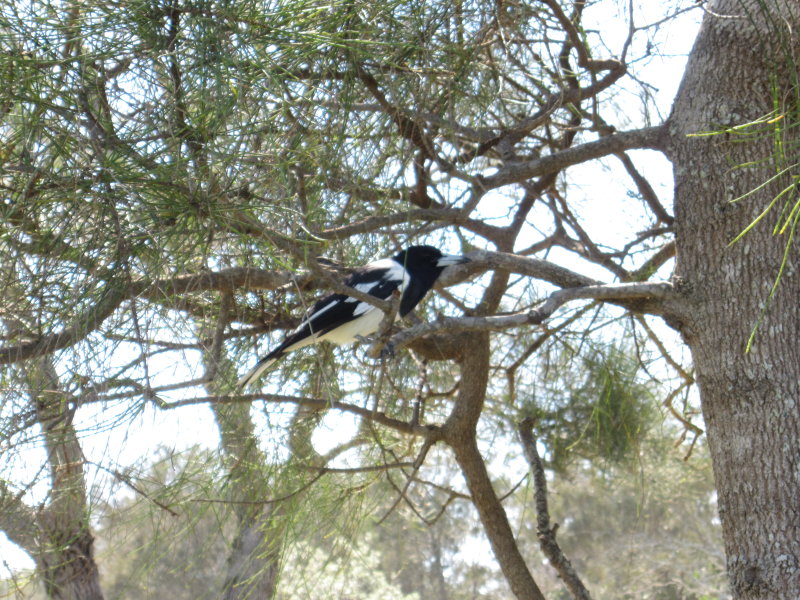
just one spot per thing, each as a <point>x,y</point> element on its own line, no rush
<point>427,258</point>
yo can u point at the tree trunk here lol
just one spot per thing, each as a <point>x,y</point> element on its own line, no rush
<point>738,72</point>
<point>253,561</point>
<point>56,534</point>
<point>65,545</point>
<point>252,566</point>
<point>67,566</point>
<point>252,569</point>
<point>460,435</point>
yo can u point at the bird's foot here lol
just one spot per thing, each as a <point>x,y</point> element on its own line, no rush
<point>380,348</point>
<point>387,352</point>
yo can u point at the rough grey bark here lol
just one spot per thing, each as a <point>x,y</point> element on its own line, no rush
<point>67,566</point>
<point>736,71</point>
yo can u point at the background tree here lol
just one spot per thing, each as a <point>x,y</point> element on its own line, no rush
<point>173,172</point>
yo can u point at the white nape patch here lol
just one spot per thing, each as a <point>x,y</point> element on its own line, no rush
<point>384,263</point>
<point>394,271</point>
<point>364,325</point>
<point>362,287</point>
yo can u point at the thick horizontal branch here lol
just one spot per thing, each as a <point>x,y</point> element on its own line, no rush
<point>224,280</point>
<point>240,277</point>
<point>649,137</point>
<point>117,292</point>
<point>617,293</point>
<point>484,260</point>
<point>81,326</point>
<point>228,280</point>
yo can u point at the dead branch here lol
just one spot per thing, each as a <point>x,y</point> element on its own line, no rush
<point>546,532</point>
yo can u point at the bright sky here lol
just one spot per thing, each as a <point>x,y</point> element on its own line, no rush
<point>135,439</point>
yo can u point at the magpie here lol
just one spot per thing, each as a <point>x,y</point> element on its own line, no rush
<point>341,319</point>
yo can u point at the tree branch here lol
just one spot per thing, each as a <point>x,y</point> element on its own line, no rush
<point>113,295</point>
<point>649,137</point>
<point>483,260</point>
<point>646,190</point>
<point>17,520</point>
<point>227,280</point>
<point>654,294</point>
<point>224,280</point>
<point>460,435</point>
<point>546,533</point>
<point>430,431</point>
<point>446,216</point>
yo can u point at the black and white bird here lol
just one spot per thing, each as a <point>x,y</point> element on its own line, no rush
<point>342,319</point>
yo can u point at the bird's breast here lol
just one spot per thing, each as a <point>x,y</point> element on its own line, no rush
<point>364,325</point>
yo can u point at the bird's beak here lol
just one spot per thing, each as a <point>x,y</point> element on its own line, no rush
<point>449,260</point>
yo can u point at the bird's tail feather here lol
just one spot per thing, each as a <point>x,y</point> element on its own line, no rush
<point>299,339</point>
<point>253,374</point>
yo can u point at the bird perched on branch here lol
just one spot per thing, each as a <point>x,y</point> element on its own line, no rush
<point>342,319</point>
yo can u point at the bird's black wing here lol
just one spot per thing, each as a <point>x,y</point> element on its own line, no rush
<point>334,310</point>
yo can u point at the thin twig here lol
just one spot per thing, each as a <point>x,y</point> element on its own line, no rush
<point>426,445</point>
<point>429,431</point>
<point>121,477</point>
<point>288,496</point>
